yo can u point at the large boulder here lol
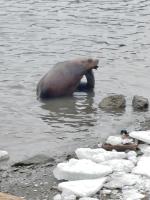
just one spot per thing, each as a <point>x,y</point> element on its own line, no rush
<point>4,196</point>
<point>140,103</point>
<point>113,102</point>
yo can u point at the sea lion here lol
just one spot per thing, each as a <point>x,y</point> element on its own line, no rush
<point>89,85</point>
<point>64,78</point>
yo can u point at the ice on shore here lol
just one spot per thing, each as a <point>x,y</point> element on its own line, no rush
<point>143,166</point>
<point>132,194</point>
<point>117,140</point>
<point>66,196</point>
<point>118,165</point>
<point>98,155</point>
<point>141,135</point>
<point>121,179</point>
<point>132,156</point>
<point>80,169</point>
<point>145,149</point>
<point>83,188</point>
<point>114,140</point>
<point>88,198</point>
<point>3,155</point>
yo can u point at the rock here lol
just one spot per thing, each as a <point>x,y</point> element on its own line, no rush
<point>140,103</point>
<point>4,196</point>
<point>114,102</point>
<point>120,147</point>
<point>35,160</point>
<point>83,188</point>
<point>80,169</point>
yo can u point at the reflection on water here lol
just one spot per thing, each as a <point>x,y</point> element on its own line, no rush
<point>76,111</point>
<point>36,34</point>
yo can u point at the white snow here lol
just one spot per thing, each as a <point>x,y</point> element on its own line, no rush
<point>97,168</point>
<point>88,198</point>
<point>98,155</point>
<point>143,166</point>
<point>121,179</point>
<point>119,165</point>
<point>57,197</point>
<point>145,148</point>
<point>3,155</point>
<point>65,196</point>
<point>114,140</point>
<point>132,156</point>
<point>141,135</point>
<point>80,169</point>
<point>83,188</point>
<point>127,140</point>
<point>132,194</point>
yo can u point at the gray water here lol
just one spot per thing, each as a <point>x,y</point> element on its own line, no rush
<point>36,34</point>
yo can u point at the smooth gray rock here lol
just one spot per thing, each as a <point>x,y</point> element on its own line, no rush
<point>113,102</point>
<point>140,103</point>
<point>35,160</point>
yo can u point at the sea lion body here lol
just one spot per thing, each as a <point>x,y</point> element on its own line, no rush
<point>64,78</point>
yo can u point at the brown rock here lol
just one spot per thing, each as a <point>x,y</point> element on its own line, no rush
<point>140,103</point>
<point>4,196</point>
<point>113,102</point>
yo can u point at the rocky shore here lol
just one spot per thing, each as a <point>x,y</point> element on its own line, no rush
<point>31,179</point>
<point>112,174</point>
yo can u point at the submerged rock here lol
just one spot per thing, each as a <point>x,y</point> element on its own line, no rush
<point>140,103</point>
<point>113,102</point>
<point>4,196</point>
<point>35,160</point>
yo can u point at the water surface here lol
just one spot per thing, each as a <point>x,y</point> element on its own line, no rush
<point>36,34</point>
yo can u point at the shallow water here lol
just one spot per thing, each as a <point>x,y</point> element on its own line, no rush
<point>36,34</point>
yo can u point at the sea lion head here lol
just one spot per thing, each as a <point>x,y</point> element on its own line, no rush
<point>90,63</point>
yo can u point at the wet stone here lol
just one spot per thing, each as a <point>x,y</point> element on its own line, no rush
<point>140,103</point>
<point>35,160</point>
<point>113,102</point>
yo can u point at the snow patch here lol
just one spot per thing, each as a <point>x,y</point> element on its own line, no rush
<point>3,155</point>
<point>141,135</point>
<point>118,165</point>
<point>132,194</point>
<point>98,155</point>
<point>143,166</point>
<point>82,188</point>
<point>121,179</point>
<point>80,169</point>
